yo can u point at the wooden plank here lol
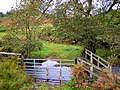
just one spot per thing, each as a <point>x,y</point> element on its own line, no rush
<point>92,65</point>
<point>34,59</point>
<point>7,53</point>
<point>100,62</point>
<point>91,72</point>
<point>96,56</point>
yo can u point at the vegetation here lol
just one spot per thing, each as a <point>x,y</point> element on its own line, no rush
<point>4,15</point>
<point>13,76</point>
<point>92,25</point>
<point>2,34</point>
<point>106,81</point>
<point>61,51</point>
<point>92,30</point>
<point>2,28</point>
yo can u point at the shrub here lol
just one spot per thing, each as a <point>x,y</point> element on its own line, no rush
<point>106,80</point>
<point>19,44</point>
<point>13,76</point>
<point>2,28</point>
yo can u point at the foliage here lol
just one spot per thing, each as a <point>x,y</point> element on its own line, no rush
<point>85,29</point>
<point>13,76</point>
<point>2,14</point>
<point>104,53</point>
<point>2,28</point>
<point>106,81</point>
<point>46,86</point>
<point>111,35</point>
<point>90,24</point>
<point>18,44</point>
<point>22,31</point>
<point>47,31</point>
<point>2,34</point>
<point>79,77</point>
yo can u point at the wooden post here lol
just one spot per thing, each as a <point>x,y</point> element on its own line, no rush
<point>98,63</point>
<point>110,67</point>
<point>91,68</point>
<point>22,60</point>
<point>34,69</point>
<point>34,73</point>
<point>60,63</point>
<point>47,74</point>
<point>60,75</point>
<point>85,54</point>
<point>75,62</point>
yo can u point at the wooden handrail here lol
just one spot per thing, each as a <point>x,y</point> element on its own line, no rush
<point>90,64</point>
<point>7,53</point>
<point>86,50</point>
<point>92,57</point>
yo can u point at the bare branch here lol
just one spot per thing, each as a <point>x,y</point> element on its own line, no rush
<point>110,8</point>
<point>89,6</point>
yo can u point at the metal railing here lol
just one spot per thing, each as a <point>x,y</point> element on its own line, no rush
<point>34,66</point>
<point>54,75</point>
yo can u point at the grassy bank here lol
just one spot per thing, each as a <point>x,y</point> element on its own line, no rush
<point>61,50</point>
<point>58,50</point>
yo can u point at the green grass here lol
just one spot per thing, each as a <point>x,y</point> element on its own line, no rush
<point>64,51</point>
<point>58,50</point>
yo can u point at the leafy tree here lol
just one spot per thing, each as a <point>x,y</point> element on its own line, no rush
<point>112,35</point>
<point>25,19</point>
<point>8,13</point>
<point>84,20</point>
<point>23,33</point>
<point>2,14</point>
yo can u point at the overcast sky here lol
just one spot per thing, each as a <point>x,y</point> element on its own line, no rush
<point>5,5</point>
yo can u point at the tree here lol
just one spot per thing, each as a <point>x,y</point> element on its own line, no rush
<point>23,32</point>
<point>85,19</point>
<point>112,35</point>
<point>2,14</point>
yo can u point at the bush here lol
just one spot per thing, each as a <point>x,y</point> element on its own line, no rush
<point>13,76</point>
<point>106,80</point>
<point>19,44</point>
<point>2,28</point>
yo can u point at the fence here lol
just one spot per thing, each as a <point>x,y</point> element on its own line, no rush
<point>95,63</point>
<point>54,75</point>
<point>61,72</point>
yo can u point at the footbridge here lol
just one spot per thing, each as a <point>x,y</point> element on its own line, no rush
<point>56,71</point>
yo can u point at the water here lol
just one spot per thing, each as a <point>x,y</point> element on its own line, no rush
<point>116,70</point>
